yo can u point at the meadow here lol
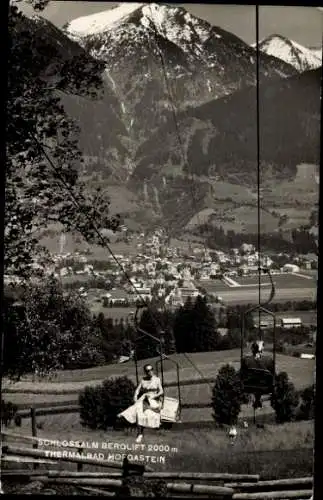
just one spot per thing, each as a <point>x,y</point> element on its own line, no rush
<point>66,385</point>
<point>276,451</point>
<point>213,286</point>
<point>285,281</point>
<point>250,295</point>
<point>288,287</point>
<point>115,313</point>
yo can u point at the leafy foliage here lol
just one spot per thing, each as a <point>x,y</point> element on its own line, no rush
<point>48,330</point>
<point>43,158</point>
<point>99,406</point>
<point>284,399</point>
<point>226,396</point>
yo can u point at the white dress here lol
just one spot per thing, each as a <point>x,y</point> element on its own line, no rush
<point>146,411</point>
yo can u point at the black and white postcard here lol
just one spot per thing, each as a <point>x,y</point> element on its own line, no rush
<point>160,249</point>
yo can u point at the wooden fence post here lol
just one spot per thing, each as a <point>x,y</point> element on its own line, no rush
<point>34,430</point>
<point>79,465</point>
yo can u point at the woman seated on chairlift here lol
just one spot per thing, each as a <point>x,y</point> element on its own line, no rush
<point>147,403</point>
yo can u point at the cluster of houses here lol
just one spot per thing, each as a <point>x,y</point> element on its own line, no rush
<point>159,270</point>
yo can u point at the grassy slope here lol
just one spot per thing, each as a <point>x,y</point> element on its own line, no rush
<point>273,452</point>
<point>299,370</point>
<point>282,280</point>
<point>233,204</point>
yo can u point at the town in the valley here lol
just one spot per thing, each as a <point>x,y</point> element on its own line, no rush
<point>169,271</point>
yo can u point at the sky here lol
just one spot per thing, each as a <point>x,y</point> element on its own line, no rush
<point>301,24</point>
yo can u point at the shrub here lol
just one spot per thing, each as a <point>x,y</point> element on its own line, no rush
<point>88,401</point>
<point>307,406</point>
<point>227,396</point>
<point>8,412</point>
<point>99,406</point>
<point>284,399</point>
<point>90,356</point>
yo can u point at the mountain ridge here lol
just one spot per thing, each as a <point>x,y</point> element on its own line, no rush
<point>122,134</point>
<point>301,58</point>
<point>201,62</point>
<point>230,123</point>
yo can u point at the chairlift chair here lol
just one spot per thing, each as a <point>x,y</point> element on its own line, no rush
<point>257,373</point>
<point>171,409</point>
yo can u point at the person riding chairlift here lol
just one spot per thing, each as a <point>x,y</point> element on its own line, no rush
<point>147,403</point>
<point>257,351</point>
<point>257,348</point>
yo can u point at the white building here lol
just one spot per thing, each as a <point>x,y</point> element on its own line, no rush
<point>290,268</point>
<point>291,322</point>
<point>179,295</point>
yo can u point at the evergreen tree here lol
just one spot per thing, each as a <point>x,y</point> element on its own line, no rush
<point>226,396</point>
<point>234,318</point>
<point>160,325</point>
<point>307,407</point>
<point>284,399</point>
<point>204,327</point>
<point>195,327</point>
<point>146,347</point>
<point>182,327</point>
<point>112,337</point>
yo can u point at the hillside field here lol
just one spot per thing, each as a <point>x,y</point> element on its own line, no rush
<point>70,382</point>
<point>297,286</point>
<point>274,452</point>
<point>286,280</point>
<point>250,295</point>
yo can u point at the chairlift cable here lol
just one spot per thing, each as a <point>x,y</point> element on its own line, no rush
<point>258,160</point>
<point>181,147</point>
<point>175,119</point>
<point>103,241</point>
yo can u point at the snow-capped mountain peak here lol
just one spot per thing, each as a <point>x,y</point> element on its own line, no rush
<point>173,23</point>
<point>176,24</point>
<point>293,53</point>
<point>317,53</point>
<point>102,21</point>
